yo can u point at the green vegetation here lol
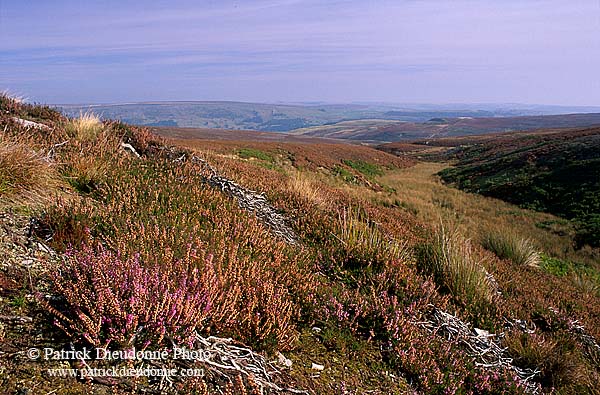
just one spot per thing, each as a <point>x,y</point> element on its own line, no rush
<point>248,153</point>
<point>556,172</point>
<point>555,266</point>
<point>345,175</point>
<point>368,169</point>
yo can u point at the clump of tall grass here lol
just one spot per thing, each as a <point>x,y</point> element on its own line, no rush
<point>86,127</point>
<point>303,187</point>
<point>364,241</point>
<point>586,283</point>
<point>508,245</point>
<point>90,154</point>
<point>24,172</point>
<point>455,266</point>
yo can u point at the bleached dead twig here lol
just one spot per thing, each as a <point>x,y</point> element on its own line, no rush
<point>221,355</point>
<point>479,344</point>
<point>31,124</point>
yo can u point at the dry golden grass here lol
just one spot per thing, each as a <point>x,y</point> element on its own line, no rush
<point>26,175</point>
<point>585,283</point>
<point>305,187</point>
<point>365,239</point>
<point>88,160</point>
<point>418,189</point>
<point>85,128</point>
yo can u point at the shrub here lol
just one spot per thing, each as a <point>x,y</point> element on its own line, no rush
<point>588,230</point>
<point>555,266</point>
<point>123,300</point>
<point>508,245</point>
<point>253,293</point>
<point>438,366</point>
<point>456,267</point>
<point>15,105</point>
<point>345,175</point>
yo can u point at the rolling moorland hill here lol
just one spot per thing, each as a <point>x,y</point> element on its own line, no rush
<point>237,135</point>
<point>279,267</point>
<point>378,131</point>
<point>555,171</point>
<point>377,122</point>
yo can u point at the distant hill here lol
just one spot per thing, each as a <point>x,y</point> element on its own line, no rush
<point>389,131</point>
<point>227,115</point>
<point>239,135</point>
<point>555,171</point>
<point>420,120</point>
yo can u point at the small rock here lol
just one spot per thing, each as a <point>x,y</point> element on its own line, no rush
<point>316,366</point>
<point>283,360</point>
<point>27,262</point>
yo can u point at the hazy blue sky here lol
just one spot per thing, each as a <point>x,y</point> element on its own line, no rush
<point>436,51</point>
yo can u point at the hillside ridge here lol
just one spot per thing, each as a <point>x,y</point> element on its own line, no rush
<point>394,283</point>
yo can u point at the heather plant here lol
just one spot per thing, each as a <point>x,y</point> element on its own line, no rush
<point>153,252</point>
<point>508,245</point>
<point>437,366</point>
<point>125,301</point>
<point>255,283</point>
<point>456,267</point>
<point>15,105</point>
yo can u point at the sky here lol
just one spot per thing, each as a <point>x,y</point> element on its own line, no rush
<point>339,51</point>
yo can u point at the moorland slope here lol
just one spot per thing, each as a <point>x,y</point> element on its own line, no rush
<point>555,171</point>
<point>285,267</point>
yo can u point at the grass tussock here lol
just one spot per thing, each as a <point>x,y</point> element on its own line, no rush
<point>89,160</point>
<point>305,188</point>
<point>508,245</point>
<point>456,267</point>
<point>24,172</point>
<point>586,283</point>
<point>86,127</point>
<point>363,239</point>
<point>557,362</point>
